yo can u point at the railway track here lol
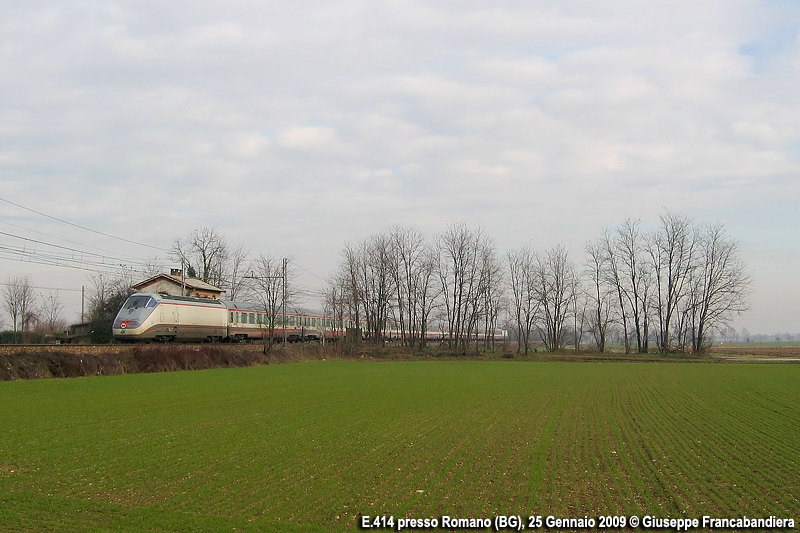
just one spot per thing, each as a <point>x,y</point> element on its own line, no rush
<point>116,348</point>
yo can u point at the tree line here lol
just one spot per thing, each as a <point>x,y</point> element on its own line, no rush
<point>666,289</point>
<point>33,314</point>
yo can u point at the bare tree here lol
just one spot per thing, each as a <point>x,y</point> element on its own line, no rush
<point>413,274</point>
<point>368,273</point>
<point>235,271</point>
<point>465,255</point>
<point>387,281</point>
<point>408,253</point>
<point>493,295</point>
<point>348,277</point>
<point>601,294</point>
<point>553,286</point>
<point>428,292</point>
<point>721,286</point>
<point>273,288</point>
<point>50,309</point>
<point>579,305</point>
<point>335,305</point>
<point>672,253</point>
<point>19,300</point>
<point>375,277</point>
<point>203,254</point>
<point>152,267</point>
<point>636,280</point>
<point>614,277</point>
<point>524,304</point>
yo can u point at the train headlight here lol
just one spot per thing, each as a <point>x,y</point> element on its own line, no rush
<point>124,324</point>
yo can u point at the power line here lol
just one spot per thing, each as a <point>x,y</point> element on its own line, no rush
<point>42,258</point>
<point>67,248</point>
<point>56,237</point>
<point>45,288</point>
<point>307,272</point>
<point>37,252</point>
<point>83,227</point>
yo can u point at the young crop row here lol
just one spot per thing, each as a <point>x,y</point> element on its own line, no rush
<point>316,444</point>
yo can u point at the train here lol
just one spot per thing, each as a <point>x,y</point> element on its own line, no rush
<point>151,317</point>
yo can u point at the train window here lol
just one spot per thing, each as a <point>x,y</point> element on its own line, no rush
<point>135,302</point>
<point>231,316</point>
<point>252,318</point>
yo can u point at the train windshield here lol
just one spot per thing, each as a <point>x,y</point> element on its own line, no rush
<point>138,302</point>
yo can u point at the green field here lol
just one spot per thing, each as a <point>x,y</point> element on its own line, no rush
<point>309,446</point>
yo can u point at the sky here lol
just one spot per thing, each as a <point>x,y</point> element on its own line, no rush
<point>297,127</point>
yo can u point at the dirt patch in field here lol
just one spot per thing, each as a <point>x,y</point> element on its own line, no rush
<point>761,352</point>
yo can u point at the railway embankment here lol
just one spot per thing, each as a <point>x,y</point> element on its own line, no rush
<point>66,361</point>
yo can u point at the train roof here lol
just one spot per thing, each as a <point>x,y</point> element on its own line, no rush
<point>229,304</point>
<point>173,297</point>
<point>256,308</point>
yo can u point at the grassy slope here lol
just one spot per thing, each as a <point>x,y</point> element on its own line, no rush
<point>316,443</point>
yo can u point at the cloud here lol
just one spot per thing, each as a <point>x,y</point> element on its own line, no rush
<point>544,122</point>
<point>305,137</point>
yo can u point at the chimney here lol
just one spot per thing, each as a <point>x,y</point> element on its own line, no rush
<point>177,272</point>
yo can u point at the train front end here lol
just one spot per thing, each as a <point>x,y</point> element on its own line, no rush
<point>131,323</point>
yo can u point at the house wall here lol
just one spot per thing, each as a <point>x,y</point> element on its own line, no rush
<point>173,288</point>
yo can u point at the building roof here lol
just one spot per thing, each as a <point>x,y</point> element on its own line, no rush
<point>192,283</point>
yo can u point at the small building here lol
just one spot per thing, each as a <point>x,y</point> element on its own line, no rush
<point>176,285</point>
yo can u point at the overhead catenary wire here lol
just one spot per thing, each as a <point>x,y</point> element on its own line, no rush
<point>307,271</point>
<point>98,269</point>
<point>60,238</point>
<point>84,227</point>
<point>44,288</point>
<point>41,252</point>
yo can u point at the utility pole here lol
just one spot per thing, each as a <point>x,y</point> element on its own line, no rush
<point>285,261</point>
